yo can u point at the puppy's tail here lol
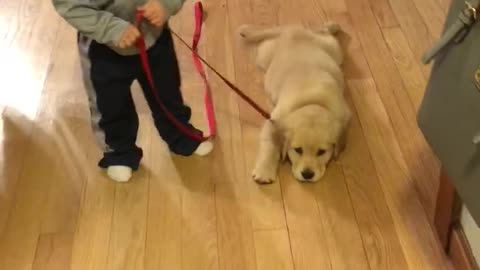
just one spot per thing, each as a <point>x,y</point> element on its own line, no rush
<point>254,34</point>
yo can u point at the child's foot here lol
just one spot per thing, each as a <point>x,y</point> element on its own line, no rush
<point>204,148</point>
<point>119,173</point>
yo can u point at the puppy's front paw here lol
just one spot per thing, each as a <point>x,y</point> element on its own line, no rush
<point>264,175</point>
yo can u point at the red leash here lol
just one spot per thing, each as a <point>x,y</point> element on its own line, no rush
<point>196,57</point>
<point>197,60</point>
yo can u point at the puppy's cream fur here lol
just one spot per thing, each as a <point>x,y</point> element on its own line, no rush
<point>305,83</point>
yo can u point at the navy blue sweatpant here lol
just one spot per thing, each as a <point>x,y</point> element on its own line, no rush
<point>108,77</point>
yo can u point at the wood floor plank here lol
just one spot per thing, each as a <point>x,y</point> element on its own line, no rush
<point>92,235</point>
<point>445,5</point>
<point>267,204</point>
<point>27,48</point>
<point>418,36</point>
<point>199,229</point>
<point>235,233</point>
<point>380,239</point>
<point>265,12</point>
<point>339,222</point>
<point>68,107</point>
<point>199,241</point>
<point>418,241</point>
<point>14,143</point>
<point>20,225</point>
<point>180,230</point>
<point>273,250</point>
<point>433,15</point>
<point>128,230</point>
<point>19,239</point>
<point>219,54</point>
<point>292,12</point>
<point>307,235</point>
<point>384,13</point>
<point>268,212</point>
<point>53,252</point>
<point>355,65</point>
<point>420,161</point>
<point>163,244</point>
<point>31,202</point>
<point>232,198</point>
<point>68,177</point>
<point>247,75</point>
<point>408,67</point>
<point>199,218</point>
<point>334,6</point>
<point>94,222</point>
<point>266,209</point>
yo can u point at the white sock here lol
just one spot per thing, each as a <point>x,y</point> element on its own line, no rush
<point>119,173</point>
<point>204,148</point>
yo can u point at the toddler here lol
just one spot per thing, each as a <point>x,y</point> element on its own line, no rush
<point>109,59</point>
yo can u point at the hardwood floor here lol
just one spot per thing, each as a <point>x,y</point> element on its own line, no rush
<point>373,210</point>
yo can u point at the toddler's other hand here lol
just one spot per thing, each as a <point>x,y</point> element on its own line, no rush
<point>129,37</point>
<point>154,12</point>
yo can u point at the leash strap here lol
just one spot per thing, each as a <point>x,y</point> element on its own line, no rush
<point>148,73</point>
<point>456,32</point>
<point>239,92</point>
<point>209,108</point>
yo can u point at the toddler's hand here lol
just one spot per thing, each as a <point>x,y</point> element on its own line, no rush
<point>154,12</point>
<point>129,37</point>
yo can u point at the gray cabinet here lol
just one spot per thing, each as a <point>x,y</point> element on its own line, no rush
<point>449,116</point>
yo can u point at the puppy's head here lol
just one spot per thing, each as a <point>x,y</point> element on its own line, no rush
<point>308,137</point>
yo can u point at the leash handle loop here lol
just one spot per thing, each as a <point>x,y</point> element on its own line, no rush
<point>209,108</point>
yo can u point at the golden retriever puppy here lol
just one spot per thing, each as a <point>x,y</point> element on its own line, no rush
<point>304,81</point>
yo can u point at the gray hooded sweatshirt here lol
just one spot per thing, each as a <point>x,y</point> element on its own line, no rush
<point>105,20</point>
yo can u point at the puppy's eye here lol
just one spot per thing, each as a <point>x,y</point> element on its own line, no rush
<point>320,152</point>
<point>299,150</point>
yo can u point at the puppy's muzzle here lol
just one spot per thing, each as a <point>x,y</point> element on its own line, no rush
<point>308,174</point>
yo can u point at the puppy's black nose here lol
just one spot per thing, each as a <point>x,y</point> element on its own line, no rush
<point>308,174</point>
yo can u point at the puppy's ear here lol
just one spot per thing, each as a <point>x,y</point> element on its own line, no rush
<point>340,143</point>
<point>280,137</point>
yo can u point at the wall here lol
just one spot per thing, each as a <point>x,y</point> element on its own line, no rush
<point>472,232</point>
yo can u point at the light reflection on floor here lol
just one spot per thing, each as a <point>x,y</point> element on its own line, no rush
<point>20,89</point>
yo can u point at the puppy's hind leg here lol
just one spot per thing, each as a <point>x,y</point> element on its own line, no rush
<point>265,39</point>
<point>256,34</point>
<point>268,158</point>
<point>265,52</point>
<point>327,39</point>
<point>331,28</point>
